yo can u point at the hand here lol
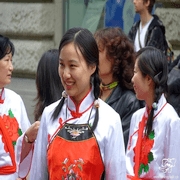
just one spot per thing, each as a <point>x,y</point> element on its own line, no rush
<point>32,131</point>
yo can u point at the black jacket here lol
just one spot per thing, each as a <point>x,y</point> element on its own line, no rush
<point>173,95</point>
<point>155,35</point>
<point>125,103</point>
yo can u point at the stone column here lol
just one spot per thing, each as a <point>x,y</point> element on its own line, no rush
<point>169,13</point>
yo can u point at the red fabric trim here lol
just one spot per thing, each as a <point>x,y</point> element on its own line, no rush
<point>138,145</point>
<point>1,100</point>
<point>136,178</point>
<point>139,140</point>
<point>8,141</point>
<point>78,114</point>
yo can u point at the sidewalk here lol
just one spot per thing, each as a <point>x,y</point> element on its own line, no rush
<point>26,88</point>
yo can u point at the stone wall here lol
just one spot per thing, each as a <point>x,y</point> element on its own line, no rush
<point>169,13</point>
<point>33,28</point>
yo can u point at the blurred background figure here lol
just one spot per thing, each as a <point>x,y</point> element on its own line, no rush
<point>149,30</point>
<point>48,83</point>
<point>173,95</point>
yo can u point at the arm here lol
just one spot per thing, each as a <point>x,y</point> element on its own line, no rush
<point>29,139</point>
<point>23,150</point>
<point>115,167</point>
<point>39,161</point>
<point>171,148</point>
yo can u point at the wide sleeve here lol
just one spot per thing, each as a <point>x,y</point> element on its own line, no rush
<point>171,162</point>
<point>23,166</point>
<point>39,161</point>
<point>114,151</point>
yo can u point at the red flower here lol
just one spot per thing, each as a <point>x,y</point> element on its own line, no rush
<point>146,156</point>
<point>12,127</point>
<point>146,145</point>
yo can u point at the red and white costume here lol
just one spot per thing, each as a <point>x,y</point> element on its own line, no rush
<point>156,156</point>
<point>13,123</point>
<point>66,148</point>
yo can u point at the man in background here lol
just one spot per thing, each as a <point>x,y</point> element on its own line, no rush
<point>149,30</point>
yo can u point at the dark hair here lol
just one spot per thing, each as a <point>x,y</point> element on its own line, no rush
<point>121,49</point>
<point>152,62</point>
<point>83,40</point>
<point>6,46</point>
<point>151,4</point>
<point>48,83</point>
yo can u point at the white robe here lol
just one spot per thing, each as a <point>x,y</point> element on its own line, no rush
<point>108,133</point>
<point>166,125</point>
<point>14,102</point>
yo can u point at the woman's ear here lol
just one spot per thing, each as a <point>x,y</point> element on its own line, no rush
<point>149,79</point>
<point>93,68</point>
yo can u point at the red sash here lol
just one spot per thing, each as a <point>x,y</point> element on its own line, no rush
<point>8,142</point>
<point>74,154</point>
<point>138,146</point>
<point>136,178</point>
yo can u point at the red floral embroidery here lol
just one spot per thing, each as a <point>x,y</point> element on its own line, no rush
<point>146,156</point>
<point>74,170</point>
<point>147,145</point>
<point>12,128</point>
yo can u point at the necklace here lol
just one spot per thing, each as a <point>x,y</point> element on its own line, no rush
<point>108,86</point>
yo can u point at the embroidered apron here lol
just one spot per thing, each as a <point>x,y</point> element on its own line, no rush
<point>74,154</point>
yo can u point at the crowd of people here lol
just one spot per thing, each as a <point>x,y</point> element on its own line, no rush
<point>106,107</point>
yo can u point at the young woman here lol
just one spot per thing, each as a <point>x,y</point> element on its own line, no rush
<point>116,65</point>
<point>154,131</point>
<point>80,136</point>
<point>16,134</point>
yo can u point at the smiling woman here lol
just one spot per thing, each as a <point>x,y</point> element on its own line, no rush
<point>74,72</point>
<point>82,136</point>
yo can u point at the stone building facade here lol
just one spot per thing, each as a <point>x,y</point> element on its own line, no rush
<point>35,26</point>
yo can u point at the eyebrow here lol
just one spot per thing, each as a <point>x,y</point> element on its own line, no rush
<point>71,60</point>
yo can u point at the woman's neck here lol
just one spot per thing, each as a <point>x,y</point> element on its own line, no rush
<point>107,89</point>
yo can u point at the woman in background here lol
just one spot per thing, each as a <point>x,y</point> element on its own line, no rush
<point>155,130</point>
<point>116,65</point>
<point>48,83</point>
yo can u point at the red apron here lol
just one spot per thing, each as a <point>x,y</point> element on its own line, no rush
<point>74,154</point>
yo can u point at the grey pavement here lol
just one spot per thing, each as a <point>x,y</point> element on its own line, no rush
<point>26,88</point>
